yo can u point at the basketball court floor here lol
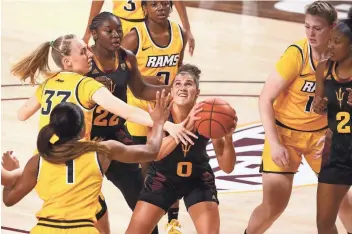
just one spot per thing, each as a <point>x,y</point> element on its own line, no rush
<point>237,45</point>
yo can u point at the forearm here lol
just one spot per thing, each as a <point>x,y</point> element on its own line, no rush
<point>167,146</point>
<point>94,11</point>
<point>9,178</point>
<point>225,154</point>
<point>182,12</point>
<point>148,91</point>
<point>267,116</point>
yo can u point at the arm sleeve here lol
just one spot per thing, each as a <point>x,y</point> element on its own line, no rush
<point>290,64</point>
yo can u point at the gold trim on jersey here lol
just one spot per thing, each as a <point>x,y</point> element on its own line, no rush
<point>101,68</point>
<point>77,97</point>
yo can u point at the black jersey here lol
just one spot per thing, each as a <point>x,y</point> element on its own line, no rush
<point>184,161</point>
<point>339,112</point>
<point>106,124</point>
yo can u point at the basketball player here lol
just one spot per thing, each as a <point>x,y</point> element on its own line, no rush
<point>291,128</point>
<point>131,14</point>
<point>333,91</point>
<point>158,44</point>
<point>72,56</point>
<point>68,172</point>
<point>184,170</point>
<point>110,66</point>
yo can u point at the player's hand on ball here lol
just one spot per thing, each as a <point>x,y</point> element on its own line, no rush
<point>192,116</point>
<point>349,98</point>
<point>280,155</point>
<point>161,111</point>
<point>319,104</point>
<point>9,161</point>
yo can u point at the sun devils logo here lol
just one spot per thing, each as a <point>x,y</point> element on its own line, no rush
<point>107,82</point>
<point>249,143</point>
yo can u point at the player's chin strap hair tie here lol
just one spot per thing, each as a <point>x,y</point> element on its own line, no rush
<point>343,27</point>
<point>54,139</point>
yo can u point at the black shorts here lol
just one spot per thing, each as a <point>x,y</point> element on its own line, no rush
<point>163,191</point>
<point>336,165</point>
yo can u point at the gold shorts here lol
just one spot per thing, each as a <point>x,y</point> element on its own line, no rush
<point>298,144</point>
<point>50,226</point>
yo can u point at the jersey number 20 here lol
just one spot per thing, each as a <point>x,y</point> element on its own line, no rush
<point>53,93</point>
<point>344,119</point>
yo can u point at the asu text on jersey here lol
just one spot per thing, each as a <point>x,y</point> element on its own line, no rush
<point>67,87</point>
<point>293,107</point>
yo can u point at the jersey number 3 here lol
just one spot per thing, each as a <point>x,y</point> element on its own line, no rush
<point>344,119</point>
<point>131,6</point>
<point>49,103</point>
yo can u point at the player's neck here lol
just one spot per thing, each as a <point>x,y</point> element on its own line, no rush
<point>179,114</point>
<point>320,53</point>
<point>102,53</point>
<point>157,27</point>
<point>345,65</point>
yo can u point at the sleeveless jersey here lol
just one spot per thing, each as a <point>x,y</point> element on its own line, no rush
<point>339,112</point>
<point>128,9</point>
<point>293,107</point>
<point>70,191</point>
<point>154,60</point>
<point>184,162</point>
<point>67,87</point>
<point>104,123</point>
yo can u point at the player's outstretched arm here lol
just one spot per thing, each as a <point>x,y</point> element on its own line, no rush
<point>94,11</point>
<point>148,152</point>
<point>104,98</point>
<point>29,108</point>
<point>182,12</point>
<point>24,184</point>
<point>320,102</point>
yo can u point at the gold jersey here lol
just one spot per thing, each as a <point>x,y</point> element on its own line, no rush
<point>293,107</point>
<point>155,60</point>
<point>128,10</point>
<point>67,87</point>
<point>70,191</point>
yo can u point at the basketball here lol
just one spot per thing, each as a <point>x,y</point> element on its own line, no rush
<point>217,118</point>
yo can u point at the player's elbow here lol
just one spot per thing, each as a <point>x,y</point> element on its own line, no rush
<point>21,116</point>
<point>7,202</point>
<point>228,168</point>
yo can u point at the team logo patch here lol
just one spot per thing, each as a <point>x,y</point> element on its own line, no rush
<point>249,143</point>
<point>123,66</point>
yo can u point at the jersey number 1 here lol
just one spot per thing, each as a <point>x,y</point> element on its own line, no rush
<point>309,104</point>
<point>70,179</point>
<point>342,126</point>
<point>131,6</point>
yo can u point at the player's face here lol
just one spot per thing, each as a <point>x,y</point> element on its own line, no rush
<point>339,46</point>
<point>158,11</point>
<point>109,34</point>
<point>80,60</point>
<point>317,30</point>
<point>184,90</point>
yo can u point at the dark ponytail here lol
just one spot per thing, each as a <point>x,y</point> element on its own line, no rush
<point>59,141</point>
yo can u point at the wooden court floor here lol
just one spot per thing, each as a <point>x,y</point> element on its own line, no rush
<point>235,53</point>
